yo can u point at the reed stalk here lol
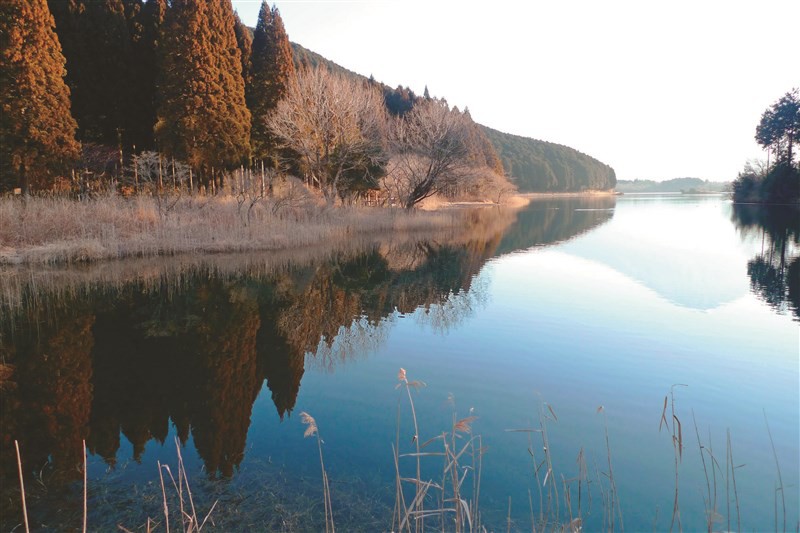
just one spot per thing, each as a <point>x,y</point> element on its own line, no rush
<point>22,488</point>
<point>313,430</point>
<point>780,478</point>
<point>85,488</point>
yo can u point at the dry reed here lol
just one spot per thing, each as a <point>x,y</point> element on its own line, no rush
<point>676,429</point>
<point>780,478</point>
<point>49,230</point>
<point>449,493</point>
<point>22,488</point>
<point>313,430</point>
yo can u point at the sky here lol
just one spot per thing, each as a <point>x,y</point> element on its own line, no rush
<point>657,90</point>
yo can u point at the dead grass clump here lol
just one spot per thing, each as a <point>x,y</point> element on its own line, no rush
<point>446,497</point>
<point>61,230</point>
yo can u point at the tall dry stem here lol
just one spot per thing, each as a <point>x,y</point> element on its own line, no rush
<point>674,424</point>
<point>85,489</point>
<point>22,488</point>
<point>313,430</point>
<point>780,478</point>
<point>403,379</point>
<point>732,471</point>
<point>614,504</point>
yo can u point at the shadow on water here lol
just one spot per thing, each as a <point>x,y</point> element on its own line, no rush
<point>775,271</point>
<point>121,350</point>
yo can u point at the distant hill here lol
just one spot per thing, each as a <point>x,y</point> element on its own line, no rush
<point>541,166</point>
<point>533,165</point>
<point>305,57</point>
<point>686,185</point>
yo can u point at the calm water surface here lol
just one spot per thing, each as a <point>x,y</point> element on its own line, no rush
<point>541,318</point>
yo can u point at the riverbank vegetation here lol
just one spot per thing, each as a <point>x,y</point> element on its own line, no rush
<point>95,87</point>
<point>61,230</point>
<point>217,102</point>
<point>778,132</point>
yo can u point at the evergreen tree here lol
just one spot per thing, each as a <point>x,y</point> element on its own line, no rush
<point>244,40</point>
<point>272,71</point>
<point>202,118</point>
<point>144,26</point>
<point>97,46</point>
<point>37,131</point>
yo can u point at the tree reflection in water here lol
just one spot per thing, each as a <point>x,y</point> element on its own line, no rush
<point>775,271</point>
<point>97,355</point>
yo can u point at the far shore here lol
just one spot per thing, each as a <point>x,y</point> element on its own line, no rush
<point>533,195</point>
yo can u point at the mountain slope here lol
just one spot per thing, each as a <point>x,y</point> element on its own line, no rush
<point>533,165</point>
<point>541,166</point>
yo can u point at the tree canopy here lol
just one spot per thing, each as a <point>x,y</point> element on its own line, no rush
<point>37,131</point>
<point>203,118</point>
<point>335,125</point>
<point>271,74</point>
<point>779,128</point>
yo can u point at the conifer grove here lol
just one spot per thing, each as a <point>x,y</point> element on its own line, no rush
<point>182,89</point>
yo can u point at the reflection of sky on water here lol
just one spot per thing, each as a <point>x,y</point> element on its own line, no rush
<point>690,254</point>
<point>628,304</point>
<point>658,296</point>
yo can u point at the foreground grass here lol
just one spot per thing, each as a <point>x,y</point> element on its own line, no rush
<point>437,487</point>
<point>51,230</point>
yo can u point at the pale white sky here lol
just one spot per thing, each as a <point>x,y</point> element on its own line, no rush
<point>657,90</point>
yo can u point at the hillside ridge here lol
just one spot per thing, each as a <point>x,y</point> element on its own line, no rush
<point>533,165</point>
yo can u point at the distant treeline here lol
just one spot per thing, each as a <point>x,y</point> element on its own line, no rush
<point>686,185</point>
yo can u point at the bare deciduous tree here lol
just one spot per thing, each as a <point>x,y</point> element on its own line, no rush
<point>336,126</point>
<point>429,152</point>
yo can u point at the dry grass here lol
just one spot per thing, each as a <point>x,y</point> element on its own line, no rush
<point>313,430</point>
<point>50,230</point>
<point>446,503</point>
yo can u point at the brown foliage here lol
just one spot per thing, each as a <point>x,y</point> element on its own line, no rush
<point>203,119</point>
<point>271,74</point>
<point>37,132</point>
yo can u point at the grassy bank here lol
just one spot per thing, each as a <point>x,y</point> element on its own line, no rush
<point>54,230</point>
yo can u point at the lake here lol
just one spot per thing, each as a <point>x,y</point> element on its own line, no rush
<point>637,345</point>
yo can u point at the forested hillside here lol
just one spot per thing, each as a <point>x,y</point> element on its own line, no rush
<point>540,166</point>
<point>134,86</point>
<point>532,165</point>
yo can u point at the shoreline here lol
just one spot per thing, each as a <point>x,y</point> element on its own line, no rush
<point>59,231</point>
<point>535,195</point>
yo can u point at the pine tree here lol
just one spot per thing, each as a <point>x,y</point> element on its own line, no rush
<point>202,118</point>
<point>271,73</point>
<point>37,131</point>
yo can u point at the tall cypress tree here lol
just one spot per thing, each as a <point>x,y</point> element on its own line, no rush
<point>202,118</point>
<point>271,73</point>
<point>37,131</point>
<point>244,40</point>
<point>97,45</point>
<point>144,27</point>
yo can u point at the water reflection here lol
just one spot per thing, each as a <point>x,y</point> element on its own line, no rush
<point>96,356</point>
<point>775,271</point>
